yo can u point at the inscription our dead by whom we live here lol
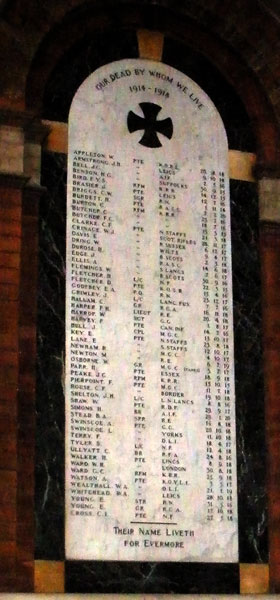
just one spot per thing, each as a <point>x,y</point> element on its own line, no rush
<point>151,428</point>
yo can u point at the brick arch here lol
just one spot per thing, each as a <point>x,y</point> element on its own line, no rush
<point>246,25</point>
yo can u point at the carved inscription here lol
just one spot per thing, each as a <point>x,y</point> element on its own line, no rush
<point>150,415</point>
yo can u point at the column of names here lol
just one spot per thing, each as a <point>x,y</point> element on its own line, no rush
<point>149,376</point>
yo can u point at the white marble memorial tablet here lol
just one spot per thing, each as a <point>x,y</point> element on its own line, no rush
<point>150,409</point>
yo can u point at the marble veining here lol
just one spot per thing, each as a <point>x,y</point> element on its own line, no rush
<point>248,374</point>
<point>252,506</point>
<point>49,491</point>
<point>50,407</point>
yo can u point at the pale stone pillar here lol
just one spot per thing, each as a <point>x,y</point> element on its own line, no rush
<point>12,145</point>
<point>35,134</point>
<point>269,200</point>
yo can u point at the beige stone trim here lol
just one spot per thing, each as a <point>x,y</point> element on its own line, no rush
<point>20,143</point>
<point>254,579</point>
<point>150,44</point>
<point>32,162</point>
<point>269,200</point>
<point>12,149</point>
<point>57,140</point>
<point>48,576</point>
<point>139,597</point>
<point>241,164</point>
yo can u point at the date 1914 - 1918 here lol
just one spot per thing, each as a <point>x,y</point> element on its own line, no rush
<point>144,88</point>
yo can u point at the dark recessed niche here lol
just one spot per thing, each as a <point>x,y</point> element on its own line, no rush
<point>84,58</point>
<point>222,94</point>
<point>119,577</point>
<point>107,46</point>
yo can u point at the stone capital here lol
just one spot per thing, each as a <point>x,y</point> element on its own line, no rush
<point>269,200</point>
<point>21,137</point>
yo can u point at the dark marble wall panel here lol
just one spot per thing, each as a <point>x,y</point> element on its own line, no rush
<point>151,578</point>
<point>50,405</point>
<point>249,373</point>
<point>49,486</point>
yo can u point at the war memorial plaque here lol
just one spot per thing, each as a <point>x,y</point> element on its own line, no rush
<point>150,409</point>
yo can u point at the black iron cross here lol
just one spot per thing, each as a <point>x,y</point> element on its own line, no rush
<point>150,125</point>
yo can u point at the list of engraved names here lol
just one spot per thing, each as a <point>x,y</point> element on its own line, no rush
<point>150,427</point>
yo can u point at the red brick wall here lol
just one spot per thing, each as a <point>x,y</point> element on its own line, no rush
<point>10,256</point>
<point>270,257</point>
<point>18,293</point>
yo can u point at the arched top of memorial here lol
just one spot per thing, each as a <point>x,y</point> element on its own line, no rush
<point>151,108</point>
<point>149,297</point>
